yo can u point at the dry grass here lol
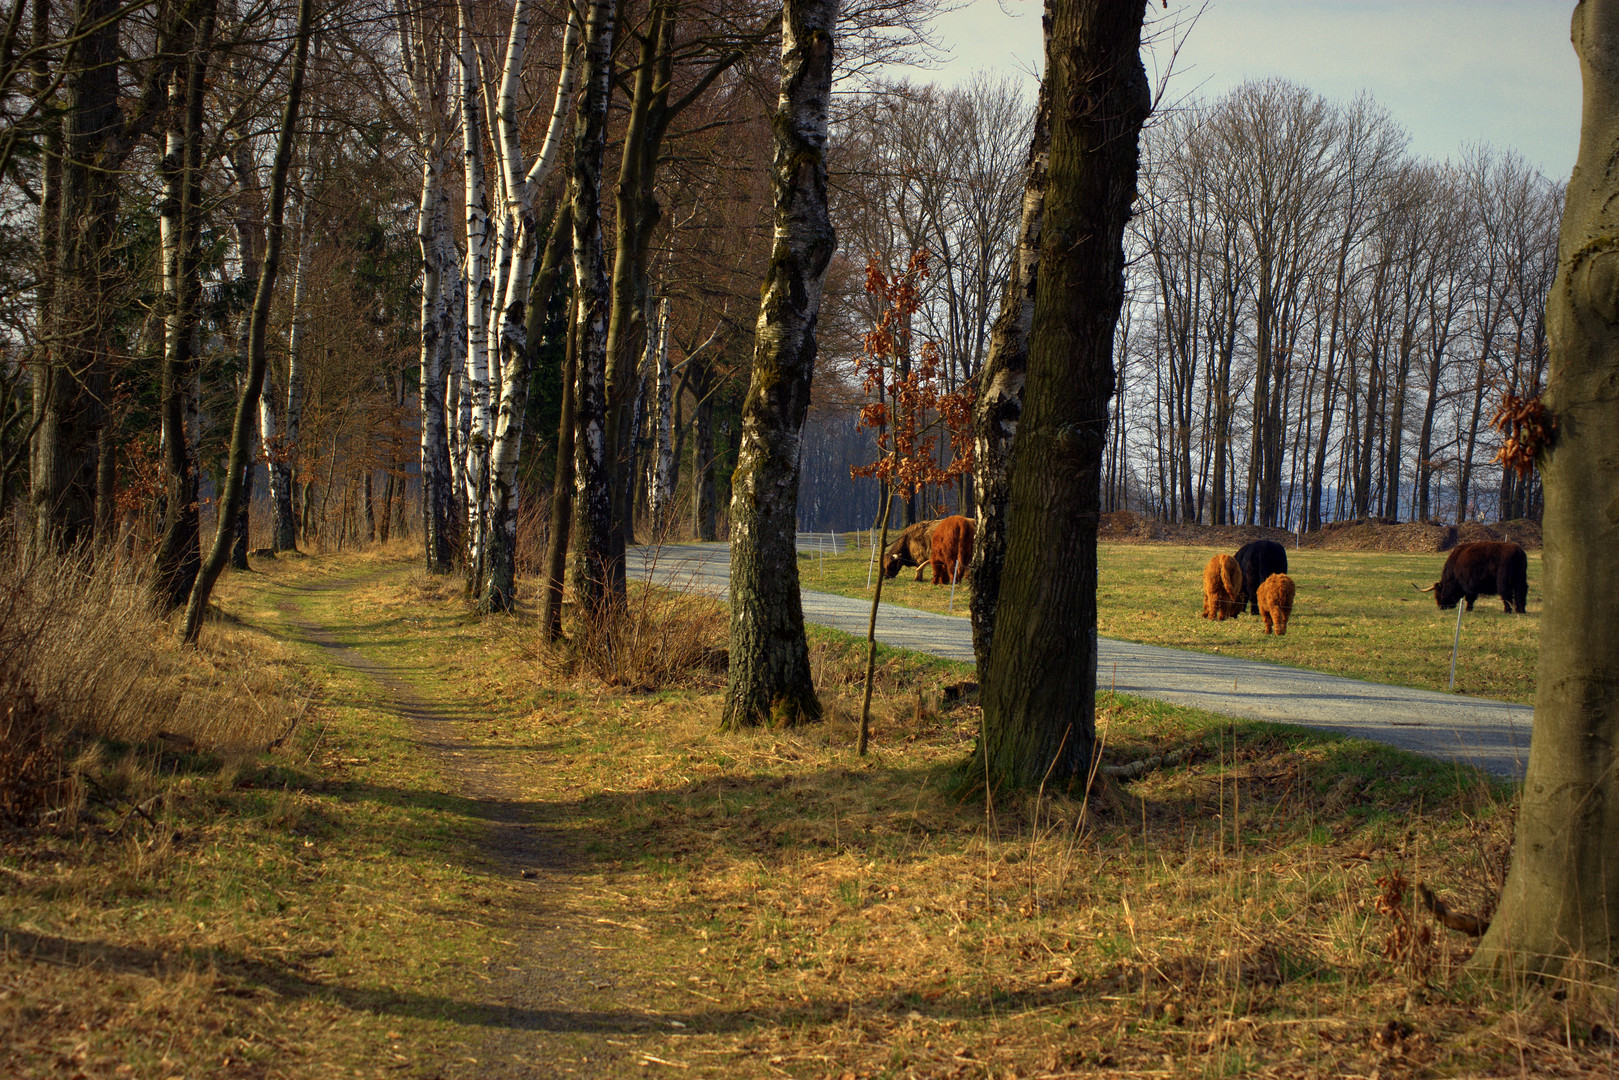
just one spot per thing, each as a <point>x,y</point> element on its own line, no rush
<point>84,661</point>
<point>768,904</point>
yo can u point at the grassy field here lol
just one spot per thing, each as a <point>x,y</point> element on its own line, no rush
<point>700,904</point>
<point>1355,614</point>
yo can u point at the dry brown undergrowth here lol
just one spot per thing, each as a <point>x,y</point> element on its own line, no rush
<point>89,675</point>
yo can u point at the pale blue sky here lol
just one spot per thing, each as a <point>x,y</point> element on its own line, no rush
<point>1450,72</point>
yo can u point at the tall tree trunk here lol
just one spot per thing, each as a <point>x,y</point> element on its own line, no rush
<point>247,405</point>
<point>592,574</point>
<point>70,386</point>
<point>770,673</point>
<point>702,450</point>
<point>438,264</point>
<point>179,551</point>
<point>284,454</point>
<point>662,488</point>
<point>1040,689</point>
<point>1561,901</point>
<point>500,584</point>
<point>556,540</point>
<point>1000,394</point>
<point>480,298</point>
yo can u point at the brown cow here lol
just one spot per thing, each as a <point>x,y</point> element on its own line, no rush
<point>951,549</point>
<point>1276,602</point>
<point>910,549</point>
<point>1222,589</point>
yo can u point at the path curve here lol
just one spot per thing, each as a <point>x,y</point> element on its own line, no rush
<point>1492,735</point>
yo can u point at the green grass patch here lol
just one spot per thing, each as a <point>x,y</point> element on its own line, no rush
<point>1355,614</point>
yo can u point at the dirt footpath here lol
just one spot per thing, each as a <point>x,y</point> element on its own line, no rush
<point>542,1010</point>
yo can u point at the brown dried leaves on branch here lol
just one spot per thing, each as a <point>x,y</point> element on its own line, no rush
<point>1528,428</point>
<point>913,408</point>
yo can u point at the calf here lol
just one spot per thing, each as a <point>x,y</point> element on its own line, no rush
<point>1222,589</point>
<point>1276,602</point>
<point>1259,560</point>
<point>951,549</point>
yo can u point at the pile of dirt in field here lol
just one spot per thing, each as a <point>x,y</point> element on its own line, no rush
<point>1381,534</point>
<point>1363,534</point>
<point>1124,527</point>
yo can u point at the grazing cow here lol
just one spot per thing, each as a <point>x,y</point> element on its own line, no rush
<point>951,549</point>
<point>1259,560</point>
<point>1222,589</point>
<point>1482,568</point>
<point>1276,602</point>
<point>910,549</point>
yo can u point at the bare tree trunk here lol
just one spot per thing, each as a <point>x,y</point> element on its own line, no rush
<point>480,299</point>
<point>662,488</point>
<point>70,383</point>
<point>1000,395</point>
<point>702,450</point>
<point>556,541</point>
<point>770,673</point>
<point>500,586</point>
<point>1560,907</point>
<point>247,405</point>
<point>438,263</point>
<point>179,552</point>
<point>1040,688</point>
<point>592,574</point>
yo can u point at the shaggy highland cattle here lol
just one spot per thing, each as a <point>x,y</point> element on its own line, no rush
<point>1222,589</point>
<point>1259,560</point>
<point>1482,568</point>
<point>912,548</point>
<point>1276,602</point>
<point>951,549</point>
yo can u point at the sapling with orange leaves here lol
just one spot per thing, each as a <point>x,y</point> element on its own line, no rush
<point>912,413</point>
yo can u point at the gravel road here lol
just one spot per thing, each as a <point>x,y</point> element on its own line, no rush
<point>1493,735</point>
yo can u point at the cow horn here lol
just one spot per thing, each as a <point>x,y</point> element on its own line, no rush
<point>1430,588</point>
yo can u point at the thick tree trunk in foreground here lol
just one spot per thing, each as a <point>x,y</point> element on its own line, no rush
<point>1040,688</point>
<point>242,428</point>
<point>592,575</point>
<point>1000,395</point>
<point>1562,893</point>
<point>770,672</point>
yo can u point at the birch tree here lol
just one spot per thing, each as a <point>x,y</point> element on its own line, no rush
<point>520,313</point>
<point>591,570</point>
<point>769,659</point>
<point>426,60</point>
<point>179,552</point>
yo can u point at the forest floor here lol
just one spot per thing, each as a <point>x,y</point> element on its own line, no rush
<point>1355,613</point>
<point>480,857</point>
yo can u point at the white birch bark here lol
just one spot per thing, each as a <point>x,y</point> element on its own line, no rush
<point>426,62</point>
<point>479,297</point>
<point>661,489</point>
<point>284,529</point>
<point>519,243</point>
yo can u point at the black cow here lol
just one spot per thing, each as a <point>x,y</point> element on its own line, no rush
<point>1483,568</point>
<point>1259,560</point>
